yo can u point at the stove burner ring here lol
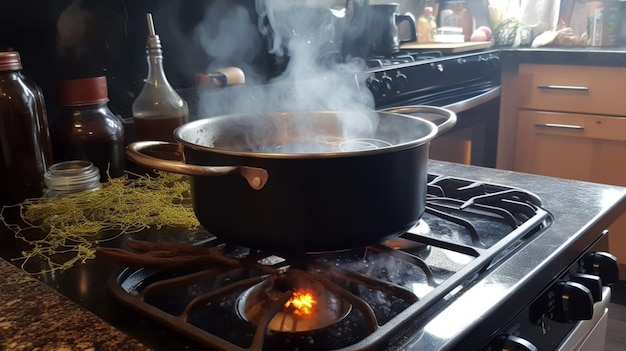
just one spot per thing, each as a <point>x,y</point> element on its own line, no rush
<point>363,144</point>
<point>269,299</point>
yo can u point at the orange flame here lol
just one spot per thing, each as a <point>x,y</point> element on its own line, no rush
<point>302,301</point>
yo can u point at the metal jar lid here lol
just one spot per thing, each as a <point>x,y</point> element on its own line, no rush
<point>83,91</point>
<point>10,61</point>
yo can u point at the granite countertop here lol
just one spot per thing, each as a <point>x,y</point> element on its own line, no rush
<point>35,317</point>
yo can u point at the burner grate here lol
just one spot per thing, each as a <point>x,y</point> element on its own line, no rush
<point>389,288</point>
<point>401,57</point>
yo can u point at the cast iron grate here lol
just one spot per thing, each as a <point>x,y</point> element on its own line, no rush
<point>473,225</point>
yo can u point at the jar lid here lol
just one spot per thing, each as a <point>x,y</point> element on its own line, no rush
<point>10,61</point>
<point>83,91</point>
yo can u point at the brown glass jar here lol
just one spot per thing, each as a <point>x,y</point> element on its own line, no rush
<point>85,129</point>
<point>25,151</point>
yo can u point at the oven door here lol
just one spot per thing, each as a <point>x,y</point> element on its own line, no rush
<point>474,138</point>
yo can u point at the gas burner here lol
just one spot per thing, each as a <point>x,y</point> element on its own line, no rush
<point>293,303</point>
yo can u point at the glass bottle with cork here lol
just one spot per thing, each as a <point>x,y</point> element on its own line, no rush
<point>25,150</point>
<point>158,109</point>
<point>85,129</point>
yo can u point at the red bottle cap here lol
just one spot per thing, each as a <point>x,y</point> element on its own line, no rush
<point>84,91</point>
<point>10,61</point>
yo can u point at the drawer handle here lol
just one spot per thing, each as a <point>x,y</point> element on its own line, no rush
<point>563,87</point>
<point>559,126</point>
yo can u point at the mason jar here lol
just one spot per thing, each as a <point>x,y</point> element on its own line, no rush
<point>71,177</point>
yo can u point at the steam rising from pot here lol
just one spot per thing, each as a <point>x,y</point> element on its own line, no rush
<point>316,76</point>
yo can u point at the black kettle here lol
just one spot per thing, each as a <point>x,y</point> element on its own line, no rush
<point>372,30</point>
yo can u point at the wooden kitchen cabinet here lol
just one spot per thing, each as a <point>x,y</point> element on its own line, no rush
<point>566,145</point>
<point>568,122</point>
<point>577,89</point>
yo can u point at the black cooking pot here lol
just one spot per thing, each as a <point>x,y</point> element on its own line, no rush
<point>304,181</point>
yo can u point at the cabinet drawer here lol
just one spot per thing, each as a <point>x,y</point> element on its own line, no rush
<point>574,146</point>
<point>565,88</point>
<point>574,125</point>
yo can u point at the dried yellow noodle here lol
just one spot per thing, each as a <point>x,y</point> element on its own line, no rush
<point>75,224</point>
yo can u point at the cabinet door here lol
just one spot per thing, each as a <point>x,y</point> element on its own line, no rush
<point>582,147</point>
<point>574,146</point>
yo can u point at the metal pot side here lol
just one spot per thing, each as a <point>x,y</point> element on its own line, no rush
<point>311,201</point>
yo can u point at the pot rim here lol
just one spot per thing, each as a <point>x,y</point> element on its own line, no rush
<point>197,124</point>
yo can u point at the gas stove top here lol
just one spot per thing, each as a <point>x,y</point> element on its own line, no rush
<point>371,295</point>
<point>448,291</point>
<point>430,77</point>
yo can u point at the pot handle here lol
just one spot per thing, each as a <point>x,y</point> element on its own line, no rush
<point>138,152</point>
<point>445,120</point>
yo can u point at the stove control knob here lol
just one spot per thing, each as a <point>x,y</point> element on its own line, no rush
<point>401,82</point>
<point>602,264</point>
<point>512,343</point>
<point>572,302</point>
<point>437,67</point>
<point>375,86</point>
<point>386,85</point>
<point>591,282</point>
<point>494,61</point>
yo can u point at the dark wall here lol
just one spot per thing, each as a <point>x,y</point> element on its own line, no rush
<point>63,39</point>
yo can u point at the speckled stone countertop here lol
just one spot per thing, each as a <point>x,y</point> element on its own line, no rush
<point>34,317</point>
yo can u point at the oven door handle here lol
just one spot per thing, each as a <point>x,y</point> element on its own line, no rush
<point>475,101</point>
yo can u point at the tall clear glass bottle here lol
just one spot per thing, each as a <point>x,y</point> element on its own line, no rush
<point>158,109</point>
<point>25,149</point>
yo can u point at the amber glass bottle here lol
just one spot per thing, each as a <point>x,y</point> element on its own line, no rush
<point>85,129</point>
<point>25,151</point>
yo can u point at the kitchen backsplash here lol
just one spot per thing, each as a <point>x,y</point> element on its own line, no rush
<point>63,39</point>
